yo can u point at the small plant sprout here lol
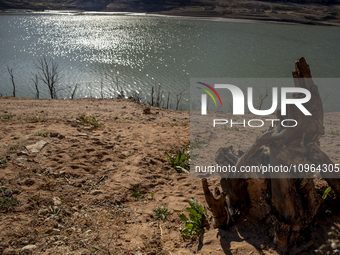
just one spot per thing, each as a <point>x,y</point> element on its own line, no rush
<point>180,161</point>
<point>93,121</point>
<point>198,218</point>
<point>152,194</point>
<point>3,161</point>
<point>7,117</point>
<point>231,128</point>
<point>161,212</point>
<point>136,192</point>
<point>37,119</point>
<point>7,203</point>
<point>198,143</point>
<point>334,133</point>
<point>92,185</point>
<point>15,138</point>
<point>35,199</point>
<point>325,194</point>
<point>55,210</point>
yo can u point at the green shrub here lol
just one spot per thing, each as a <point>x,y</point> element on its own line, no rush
<point>136,192</point>
<point>35,199</point>
<point>334,133</point>
<point>55,210</point>
<point>231,128</point>
<point>7,203</point>
<point>3,161</point>
<point>37,119</point>
<point>42,134</point>
<point>7,117</point>
<point>198,143</point>
<point>92,121</point>
<point>180,161</point>
<point>161,212</point>
<point>198,216</point>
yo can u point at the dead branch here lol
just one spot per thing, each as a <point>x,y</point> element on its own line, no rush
<point>10,71</point>
<point>49,73</point>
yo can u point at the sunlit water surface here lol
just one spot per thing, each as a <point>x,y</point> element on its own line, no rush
<point>136,52</point>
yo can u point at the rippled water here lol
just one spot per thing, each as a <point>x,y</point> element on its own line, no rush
<point>139,51</point>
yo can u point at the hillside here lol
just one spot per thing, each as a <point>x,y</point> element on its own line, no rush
<point>300,11</point>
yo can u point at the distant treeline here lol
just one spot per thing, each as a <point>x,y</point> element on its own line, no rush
<point>95,5</point>
<point>305,1</point>
<point>138,5</point>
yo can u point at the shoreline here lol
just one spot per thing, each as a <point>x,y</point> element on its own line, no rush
<point>210,15</point>
<point>262,20</point>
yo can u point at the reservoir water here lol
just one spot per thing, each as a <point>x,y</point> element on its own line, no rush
<point>140,51</point>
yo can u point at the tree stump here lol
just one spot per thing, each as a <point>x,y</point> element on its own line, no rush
<point>290,203</point>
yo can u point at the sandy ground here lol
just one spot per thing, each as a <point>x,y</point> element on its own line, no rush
<point>75,188</point>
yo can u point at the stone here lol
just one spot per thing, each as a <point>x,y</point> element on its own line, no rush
<point>54,134</point>
<point>67,212</point>
<point>56,201</point>
<point>88,232</point>
<point>43,212</point>
<point>20,161</point>
<point>28,248</point>
<point>60,136</point>
<point>35,148</point>
<point>28,182</point>
<point>55,231</point>
<point>96,192</point>
<point>147,111</point>
<point>22,153</point>
<point>75,209</point>
<point>10,251</point>
<point>7,193</point>
<point>59,243</point>
<point>82,134</point>
<point>16,191</point>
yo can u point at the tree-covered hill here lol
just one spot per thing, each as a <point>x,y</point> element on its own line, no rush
<point>143,5</point>
<point>301,11</point>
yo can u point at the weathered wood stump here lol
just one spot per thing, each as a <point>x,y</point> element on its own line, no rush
<point>290,203</point>
<point>218,206</point>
